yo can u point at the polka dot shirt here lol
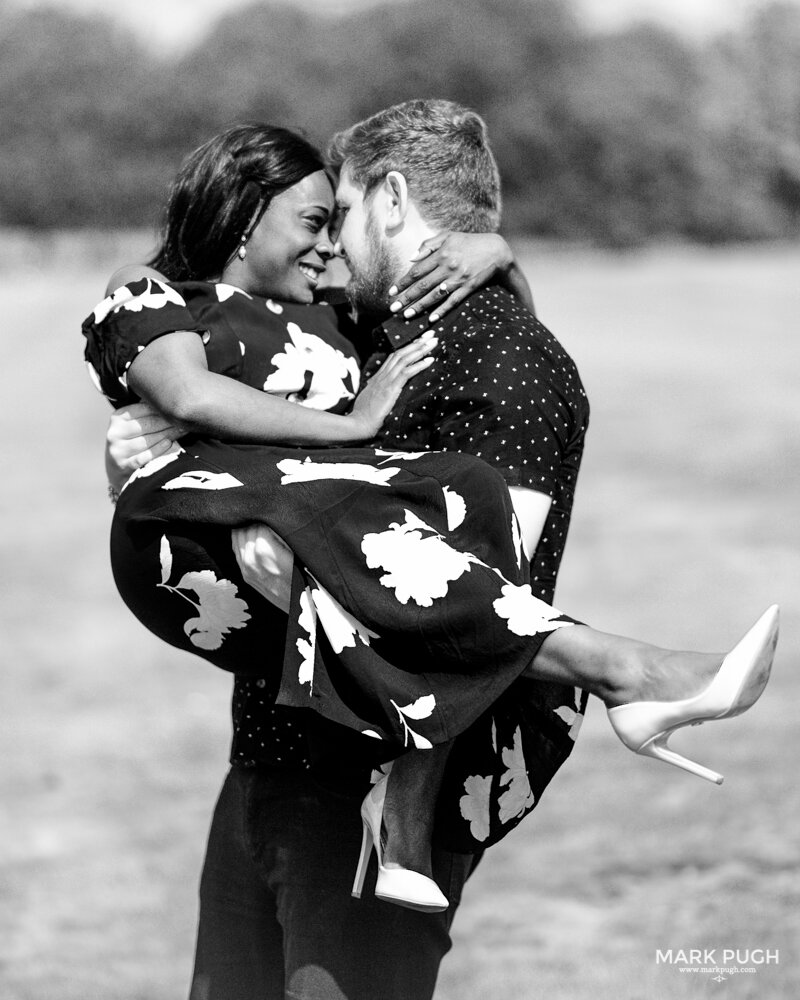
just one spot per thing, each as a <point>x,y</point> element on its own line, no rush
<point>502,388</point>
<point>265,733</point>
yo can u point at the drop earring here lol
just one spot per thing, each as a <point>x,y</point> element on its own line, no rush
<point>241,253</point>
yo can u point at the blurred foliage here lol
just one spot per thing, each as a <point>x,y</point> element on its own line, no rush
<point>613,138</point>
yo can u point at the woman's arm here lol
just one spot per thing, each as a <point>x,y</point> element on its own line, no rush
<point>451,266</point>
<point>172,375</point>
<point>131,272</point>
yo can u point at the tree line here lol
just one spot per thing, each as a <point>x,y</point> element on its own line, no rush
<point>614,138</point>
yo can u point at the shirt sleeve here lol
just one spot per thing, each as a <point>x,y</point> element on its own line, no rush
<point>505,399</point>
<point>123,324</point>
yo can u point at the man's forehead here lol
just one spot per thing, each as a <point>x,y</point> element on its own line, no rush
<point>347,189</point>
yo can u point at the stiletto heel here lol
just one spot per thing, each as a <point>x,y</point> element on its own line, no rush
<point>394,885</point>
<point>645,726</point>
<point>363,862</point>
<point>659,749</point>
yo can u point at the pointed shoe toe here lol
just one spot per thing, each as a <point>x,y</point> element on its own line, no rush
<point>645,726</point>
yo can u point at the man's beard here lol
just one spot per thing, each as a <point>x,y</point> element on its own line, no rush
<point>369,284</point>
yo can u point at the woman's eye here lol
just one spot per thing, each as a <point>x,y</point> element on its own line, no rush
<point>315,223</point>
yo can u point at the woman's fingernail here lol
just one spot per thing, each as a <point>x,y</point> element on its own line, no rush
<point>395,306</point>
<point>434,317</point>
<point>409,313</point>
<point>393,290</point>
<point>427,335</point>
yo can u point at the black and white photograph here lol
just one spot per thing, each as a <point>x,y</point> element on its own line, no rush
<point>400,544</point>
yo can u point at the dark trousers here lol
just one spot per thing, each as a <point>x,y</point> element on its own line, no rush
<point>276,915</point>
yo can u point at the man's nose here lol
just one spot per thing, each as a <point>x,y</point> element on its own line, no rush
<point>338,249</point>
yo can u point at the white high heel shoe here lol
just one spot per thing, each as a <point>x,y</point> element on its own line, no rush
<point>645,726</point>
<point>394,885</point>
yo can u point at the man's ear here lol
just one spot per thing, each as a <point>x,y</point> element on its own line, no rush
<point>395,189</point>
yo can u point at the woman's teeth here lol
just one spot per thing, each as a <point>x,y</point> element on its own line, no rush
<point>311,273</point>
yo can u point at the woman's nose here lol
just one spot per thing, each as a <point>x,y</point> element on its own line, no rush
<point>324,247</point>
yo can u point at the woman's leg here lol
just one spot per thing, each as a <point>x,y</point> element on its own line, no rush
<point>409,808</point>
<point>619,670</point>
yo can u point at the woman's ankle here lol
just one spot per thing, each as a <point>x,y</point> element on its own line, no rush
<point>407,831</point>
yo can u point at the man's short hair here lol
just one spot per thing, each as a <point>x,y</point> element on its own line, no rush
<point>441,149</point>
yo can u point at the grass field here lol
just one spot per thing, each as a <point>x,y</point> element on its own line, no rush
<point>686,527</point>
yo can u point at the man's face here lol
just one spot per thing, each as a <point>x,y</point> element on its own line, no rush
<point>365,247</point>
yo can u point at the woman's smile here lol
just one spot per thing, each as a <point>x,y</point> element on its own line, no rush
<point>312,271</point>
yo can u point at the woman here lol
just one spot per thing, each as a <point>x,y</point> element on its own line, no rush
<point>388,669</point>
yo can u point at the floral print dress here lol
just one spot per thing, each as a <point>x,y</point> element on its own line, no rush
<point>411,614</point>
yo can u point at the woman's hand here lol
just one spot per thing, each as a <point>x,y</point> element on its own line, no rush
<point>451,266</point>
<point>136,434</point>
<point>375,401</point>
<point>266,562</point>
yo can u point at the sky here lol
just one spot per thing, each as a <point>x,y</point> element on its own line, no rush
<point>176,23</point>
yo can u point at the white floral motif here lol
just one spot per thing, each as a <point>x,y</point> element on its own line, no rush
<point>165,557</point>
<point>295,471</point>
<point>199,479</point>
<point>155,296</point>
<point>94,376</point>
<point>307,647</point>
<point>312,372</point>
<point>516,535</point>
<point>474,806</point>
<point>225,291</point>
<point>219,609</point>
<point>341,628</point>
<point>571,716</point>
<point>456,508</point>
<point>526,614</point>
<point>418,568</point>
<point>422,708</point>
<point>518,798</point>
<point>394,456</point>
<point>154,465</point>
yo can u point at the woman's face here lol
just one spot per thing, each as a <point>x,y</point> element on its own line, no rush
<point>289,248</point>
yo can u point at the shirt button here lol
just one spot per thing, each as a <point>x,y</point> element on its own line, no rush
<point>262,683</point>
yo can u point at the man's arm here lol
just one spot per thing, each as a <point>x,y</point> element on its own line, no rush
<point>511,409</point>
<point>136,434</point>
<point>531,509</point>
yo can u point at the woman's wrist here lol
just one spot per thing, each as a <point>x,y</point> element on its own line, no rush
<point>506,261</point>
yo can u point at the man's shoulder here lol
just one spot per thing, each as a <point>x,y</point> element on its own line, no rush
<point>492,317</point>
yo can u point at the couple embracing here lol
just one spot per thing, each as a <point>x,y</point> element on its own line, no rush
<point>386,605</point>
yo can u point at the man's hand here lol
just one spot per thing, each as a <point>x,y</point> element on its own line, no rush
<point>266,562</point>
<point>136,434</point>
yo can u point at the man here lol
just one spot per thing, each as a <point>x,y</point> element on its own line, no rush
<point>276,914</point>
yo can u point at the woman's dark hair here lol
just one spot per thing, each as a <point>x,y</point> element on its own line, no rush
<point>222,190</point>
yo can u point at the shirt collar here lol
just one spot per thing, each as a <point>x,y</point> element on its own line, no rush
<point>399,331</point>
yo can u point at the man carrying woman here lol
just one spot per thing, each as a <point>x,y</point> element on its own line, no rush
<point>275,914</point>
